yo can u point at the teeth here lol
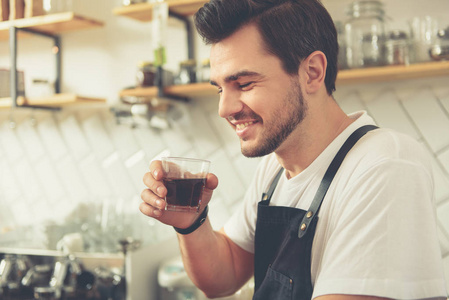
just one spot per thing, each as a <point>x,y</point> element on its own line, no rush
<point>244,125</point>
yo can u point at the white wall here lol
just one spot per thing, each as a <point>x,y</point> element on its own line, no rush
<point>79,167</point>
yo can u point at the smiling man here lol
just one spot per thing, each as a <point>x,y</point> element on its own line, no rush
<point>338,208</point>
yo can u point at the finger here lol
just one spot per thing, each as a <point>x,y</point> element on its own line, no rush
<point>156,169</point>
<point>211,181</point>
<point>150,211</point>
<point>154,185</point>
<point>150,198</point>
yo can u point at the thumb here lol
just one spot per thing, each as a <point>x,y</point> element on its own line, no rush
<point>211,185</point>
<point>211,181</point>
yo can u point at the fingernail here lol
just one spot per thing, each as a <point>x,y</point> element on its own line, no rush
<point>157,213</point>
<point>155,173</point>
<point>158,203</point>
<point>159,191</point>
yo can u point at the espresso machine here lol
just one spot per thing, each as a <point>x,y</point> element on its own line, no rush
<point>55,276</point>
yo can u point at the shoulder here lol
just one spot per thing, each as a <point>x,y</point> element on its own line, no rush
<point>386,147</point>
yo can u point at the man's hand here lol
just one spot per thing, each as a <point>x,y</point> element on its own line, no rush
<point>153,204</point>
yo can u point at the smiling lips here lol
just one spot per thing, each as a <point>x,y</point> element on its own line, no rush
<point>243,125</point>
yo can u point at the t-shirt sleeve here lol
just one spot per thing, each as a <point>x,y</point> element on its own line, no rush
<point>382,239</point>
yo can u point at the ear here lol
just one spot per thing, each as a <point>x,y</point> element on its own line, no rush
<point>313,70</point>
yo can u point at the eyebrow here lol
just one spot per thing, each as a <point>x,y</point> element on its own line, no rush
<point>237,76</point>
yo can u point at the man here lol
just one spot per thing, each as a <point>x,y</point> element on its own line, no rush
<point>366,230</point>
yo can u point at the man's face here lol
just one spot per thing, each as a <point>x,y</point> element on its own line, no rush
<point>258,98</point>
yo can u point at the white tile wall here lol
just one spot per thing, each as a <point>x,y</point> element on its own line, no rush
<point>79,167</point>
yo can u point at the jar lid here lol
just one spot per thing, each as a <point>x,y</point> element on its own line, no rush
<point>358,8</point>
<point>188,63</point>
<point>443,33</point>
<point>205,62</point>
<point>144,64</point>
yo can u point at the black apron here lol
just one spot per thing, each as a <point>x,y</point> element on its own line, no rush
<point>284,237</point>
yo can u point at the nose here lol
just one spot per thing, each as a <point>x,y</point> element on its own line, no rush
<point>230,103</point>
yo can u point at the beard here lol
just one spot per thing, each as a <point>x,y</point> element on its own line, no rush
<point>289,114</point>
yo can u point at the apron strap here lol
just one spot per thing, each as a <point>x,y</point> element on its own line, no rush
<point>267,196</point>
<point>329,175</point>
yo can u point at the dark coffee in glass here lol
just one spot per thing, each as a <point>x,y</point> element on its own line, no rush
<point>184,179</point>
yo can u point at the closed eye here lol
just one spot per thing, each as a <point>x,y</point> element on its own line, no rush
<point>245,85</point>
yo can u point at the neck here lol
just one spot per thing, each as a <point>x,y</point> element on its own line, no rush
<point>320,127</point>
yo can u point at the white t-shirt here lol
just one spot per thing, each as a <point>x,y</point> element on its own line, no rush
<point>376,233</point>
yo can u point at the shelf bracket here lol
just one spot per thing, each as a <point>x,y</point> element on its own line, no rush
<point>190,55</point>
<point>14,85</point>
<point>189,31</point>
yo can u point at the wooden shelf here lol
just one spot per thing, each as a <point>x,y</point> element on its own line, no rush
<point>185,90</point>
<point>57,100</point>
<point>345,77</point>
<point>393,73</point>
<point>144,11</point>
<point>52,24</point>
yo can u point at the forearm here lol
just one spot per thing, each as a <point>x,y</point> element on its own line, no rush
<point>213,262</point>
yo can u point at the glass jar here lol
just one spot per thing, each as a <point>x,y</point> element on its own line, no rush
<point>365,34</point>
<point>397,48</point>
<point>204,72</point>
<point>440,49</point>
<point>57,6</point>
<point>146,74</point>
<point>187,72</point>
<point>423,32</point>
<point>341,59</point>
<point>130,2</point>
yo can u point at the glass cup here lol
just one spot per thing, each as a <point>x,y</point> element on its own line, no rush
<point>184,179</point>
<point>424,34</point>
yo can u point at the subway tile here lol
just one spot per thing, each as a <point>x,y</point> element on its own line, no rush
<point>441,179</point>
<point>136,169</point>
<point>119,179</point>
<point>443,157</point>
<point>29,181</point>
<point>177,142</point>
<point>73,181</point>
<point>230,185</point>
<point>123,141</point>
<point>98,138</point>
<point>49,179</point>
<point>445,102</point>
<point>51,138</point>
<point>226,135</point>
<point>443,216</point>
<point>388,112</point>
<point>443,236</point>
<point>95,177</point>
<point>429,118</point>
<point>149,141</point>
<point>10,143</point>
<point>74,137</point>
<point>30,141</point>
<point>204,139</point>
<point>9,186</point>
<point>446,270</point>
<point>350,102</point>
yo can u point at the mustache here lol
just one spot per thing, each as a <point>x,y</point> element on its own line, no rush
<point>244,115</point>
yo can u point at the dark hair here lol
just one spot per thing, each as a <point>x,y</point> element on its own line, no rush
<point>291,29</point>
